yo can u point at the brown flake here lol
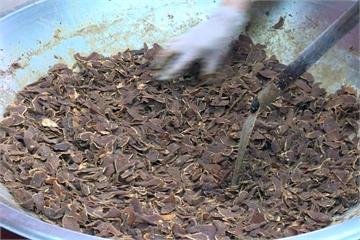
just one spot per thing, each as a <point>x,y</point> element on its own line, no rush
<point>280,23</point>
<point>107,150</point>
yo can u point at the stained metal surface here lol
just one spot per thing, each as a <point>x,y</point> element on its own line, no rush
<point>48,32</point>
<point>51,31</point>
<point>304,20</point>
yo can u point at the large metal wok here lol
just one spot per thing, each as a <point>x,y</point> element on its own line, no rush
<point>49,31</point>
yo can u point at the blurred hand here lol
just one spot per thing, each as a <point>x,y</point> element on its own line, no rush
<point>208,42</point>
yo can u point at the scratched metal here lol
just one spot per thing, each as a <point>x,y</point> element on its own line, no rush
<point>47,32</point>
